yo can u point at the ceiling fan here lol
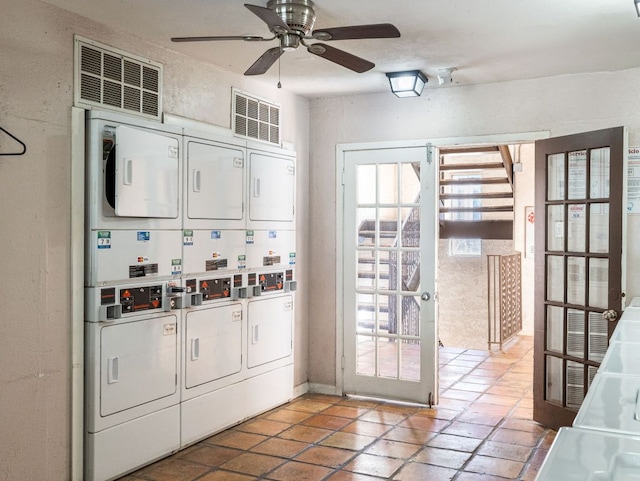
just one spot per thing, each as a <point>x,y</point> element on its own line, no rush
<point>291,22</point>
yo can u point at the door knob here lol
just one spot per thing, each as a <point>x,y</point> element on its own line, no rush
<point>610,315</point>
<point>425,296</point>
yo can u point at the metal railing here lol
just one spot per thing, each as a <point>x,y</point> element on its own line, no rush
<point>504,298</point>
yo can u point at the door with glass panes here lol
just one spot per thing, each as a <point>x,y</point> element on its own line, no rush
<point>390,231</point>
<point>578,258</point>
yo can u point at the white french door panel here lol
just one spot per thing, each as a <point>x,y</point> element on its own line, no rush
<point>390,231</point>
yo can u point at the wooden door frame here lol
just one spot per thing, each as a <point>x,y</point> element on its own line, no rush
<point>547,414</point>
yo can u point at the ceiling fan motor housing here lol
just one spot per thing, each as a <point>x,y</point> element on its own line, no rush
<point>298,14</point>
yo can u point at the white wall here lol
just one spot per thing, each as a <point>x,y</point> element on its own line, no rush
<point>36,94</point>
<point>561,105</point>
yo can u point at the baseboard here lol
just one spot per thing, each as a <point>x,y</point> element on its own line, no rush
<point>324,389</point>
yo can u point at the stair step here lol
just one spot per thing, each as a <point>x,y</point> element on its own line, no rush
<point>474,166</point>
<point>483,180</point>
<point>372,308</point>
<point>372,275</point>
<point>485,195</point>
<point>497,208</point>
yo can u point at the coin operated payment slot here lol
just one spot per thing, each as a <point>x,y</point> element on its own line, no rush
<point>109,309</point>
<point>175,298</point>
<point>238,291</point>
<point>192,297</point>
<point>290,285</point>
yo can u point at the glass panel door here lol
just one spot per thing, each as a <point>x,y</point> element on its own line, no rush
<point>578,266</point>
<point>389,274</point>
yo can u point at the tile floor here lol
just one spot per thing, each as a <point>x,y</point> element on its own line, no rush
<point>481,431</point>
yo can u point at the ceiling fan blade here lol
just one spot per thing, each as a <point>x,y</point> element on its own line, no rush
<point>341,57</point>
<point>263,64</point>
<point>271,18</point>
<point>378,30</point>
<point>248,38</point>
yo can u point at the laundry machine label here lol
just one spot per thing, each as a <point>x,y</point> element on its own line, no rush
<point>249,238</point>
<point>187,238</point>
<point>242,261</point>
<point>176,266</point>
<point>271,260</point>
<point>292,258</point>
<point>215,264</point>
<point>143,270</point>
<point>144,236</point>
<point>104,239</point>
<point>169,329</point>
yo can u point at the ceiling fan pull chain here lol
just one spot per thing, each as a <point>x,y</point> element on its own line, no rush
<point>279,84</point>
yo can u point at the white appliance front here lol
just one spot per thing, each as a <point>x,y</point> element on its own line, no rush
<point>270,249</point>
<point>213,347</point>
<point>622,357</point>
<point>612,404</point>
<point>587,455</point>
<point>132,368</point>
<point>214,185</point>
<point>270,336</point>
<point>117,256</point>
<point>213,250</point>
<point>271,191</point>
<point>133,173</point>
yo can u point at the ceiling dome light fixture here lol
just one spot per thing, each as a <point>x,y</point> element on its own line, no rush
<point>408,83</point>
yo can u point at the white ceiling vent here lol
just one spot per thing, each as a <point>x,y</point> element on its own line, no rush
<point>109,78</point>
<point>255,118</point>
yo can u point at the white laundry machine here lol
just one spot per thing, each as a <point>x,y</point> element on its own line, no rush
<point>586,455</point>
<point>271,192</point>
<point>134,190</point>
<point>132,347</point>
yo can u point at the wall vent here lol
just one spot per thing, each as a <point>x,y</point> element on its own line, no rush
<point>116,80</point>
<point>255,118</point>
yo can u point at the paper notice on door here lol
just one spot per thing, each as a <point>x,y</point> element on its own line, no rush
<point>633,181</point>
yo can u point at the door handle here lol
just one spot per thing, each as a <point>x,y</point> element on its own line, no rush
<point>128,172</point>
<point>256,187</point>
<point>197,180</point>
<point>611,315</point>
<point>112,370</point>
<point>195,349</point>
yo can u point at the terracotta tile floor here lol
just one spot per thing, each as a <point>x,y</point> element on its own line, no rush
<point>481,431</point>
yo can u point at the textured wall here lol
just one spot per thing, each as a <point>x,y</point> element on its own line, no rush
<point>36,94</point>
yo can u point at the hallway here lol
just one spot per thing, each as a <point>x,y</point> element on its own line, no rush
<point>481,431</point>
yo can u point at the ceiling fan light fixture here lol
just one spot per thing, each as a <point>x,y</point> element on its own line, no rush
<point>408,83</point>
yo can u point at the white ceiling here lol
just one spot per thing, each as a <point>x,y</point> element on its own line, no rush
<point>485,40</point>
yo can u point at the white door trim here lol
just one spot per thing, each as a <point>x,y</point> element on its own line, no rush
<point>505,138</point>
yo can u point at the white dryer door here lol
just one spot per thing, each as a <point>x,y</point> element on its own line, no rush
<point>270,329</point>
<point>272,188</point>
<point>215,182</point>
<point>138,363</point>
<point>213,344</point>
<point>147,174</point>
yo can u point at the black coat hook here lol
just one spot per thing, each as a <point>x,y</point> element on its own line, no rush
<point>24,147</point>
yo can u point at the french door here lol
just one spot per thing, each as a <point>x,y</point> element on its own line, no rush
<point>578,257</point>
<point>390,231</point>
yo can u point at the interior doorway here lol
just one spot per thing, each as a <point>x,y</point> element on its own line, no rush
<point>464,283</point>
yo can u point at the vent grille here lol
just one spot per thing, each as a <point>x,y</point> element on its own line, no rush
<point>117,80</point>
<point>255,118</point>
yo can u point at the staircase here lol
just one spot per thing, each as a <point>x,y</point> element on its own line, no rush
<point>476,193</point>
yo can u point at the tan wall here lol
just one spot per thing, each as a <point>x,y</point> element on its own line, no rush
<point>36,94</point>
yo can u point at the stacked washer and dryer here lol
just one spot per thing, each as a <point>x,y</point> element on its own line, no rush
<point>190,259</point>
